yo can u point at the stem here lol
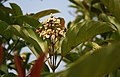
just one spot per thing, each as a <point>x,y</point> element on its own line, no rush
<point>59,62</point>
<point>50,56</point>
<point>11,49</point>
<point>55,57</point>
<point>54,67</point>
<point>53,60</point>
<point>49,62</point>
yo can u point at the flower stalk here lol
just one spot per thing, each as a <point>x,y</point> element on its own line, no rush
<point>52,30</point>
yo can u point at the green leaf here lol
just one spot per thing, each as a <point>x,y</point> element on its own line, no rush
<point>114,7</point>
<point>103,17</point>
<point>45,68</point>
<point>97,64</point>
<point>9,75</point>
<point>80,33</point>
<point>44,13</point>
<point>3,26</point>
<point>16,30</point>
<point>72,56</point>
<point>45,74</point>
<point>98,6</point>
<point>6,9</point>
<point>34,50</point>
<point>88,2</point>
<point>23,33</point>
<point>74,6</point>
<point>48,74</point>
<point>27,19</point>
<point>4,29</point>
<point>77,20</point>
<point>77,2</point>
<point>118,73</point>
<point>4,68</point>
<point>16,9</point>
<point>31,37</point>
<point>110,19</point>
<point>114,21</point>
<point>35,37</point>
<point>5,14</point>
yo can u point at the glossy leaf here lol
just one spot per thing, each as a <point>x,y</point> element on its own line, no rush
<point>5,14</point>
<point>77,2</point>
<point>16,30</point>
<point>34,37</point>
<point>110,19</point>
<point>27,19</point>
<point>6,9</point>
<point>30,36</point>
<point>34,50</point>
<point>114,21</point>
<point>72,56</point>
<point>19,66</point>
<point>77,20</point>
<point>9,75</point>
<point>57,74</point>
<point>4,29</point>
<point>83,32</point>
<point>4,68</point>
<point>114,7</point>
<point>3,26</point>
<point>16,9</point>
<point>97,64</point>
<point>37,67</point>
<point>88,1</point>
<point>44,13</point>
<point>45,68</point>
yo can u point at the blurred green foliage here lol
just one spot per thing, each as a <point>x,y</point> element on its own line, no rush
<point>90,47</point>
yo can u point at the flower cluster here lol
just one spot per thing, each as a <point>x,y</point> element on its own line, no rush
<point>51,29</point>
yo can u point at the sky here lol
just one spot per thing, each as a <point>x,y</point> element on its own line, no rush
<point>34,6</point>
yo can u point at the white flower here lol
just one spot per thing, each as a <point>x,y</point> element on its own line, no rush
<point>61,32</point>
<point>53,18</point>
<point>57,21</point>
<point>52,31</point>
<point>49,31</point>
<point>47,36</point>
<point>46,25</point>
<point>53,24</point>
<point>48,20</point>
<point>43,32</point>
<point>53,37</point>
<point>37,31</point>
<point>56,34</point>
<point>58,29</point>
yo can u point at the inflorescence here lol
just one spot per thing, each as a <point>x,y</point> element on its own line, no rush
<point>52,28</point>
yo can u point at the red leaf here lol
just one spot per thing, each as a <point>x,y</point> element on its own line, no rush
<point>19,66</point>
<point>1,54</point>
<point>37,67</point>
<point>62,21</point>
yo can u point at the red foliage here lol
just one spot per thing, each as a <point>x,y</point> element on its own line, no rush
<point>37,67</point>
<point>19,66</point>
<point>1,54</point>
<point>62,21</point>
